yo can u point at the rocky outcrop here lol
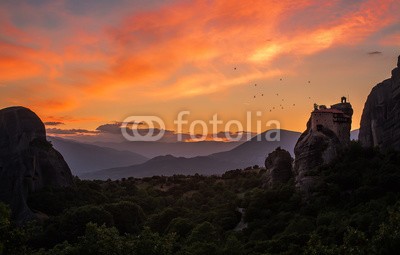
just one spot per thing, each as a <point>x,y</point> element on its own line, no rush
<point>380,121</point>
<point>313,149</point>
<point>327,134</point>
<point>28,162</point>
<point>279,168</point>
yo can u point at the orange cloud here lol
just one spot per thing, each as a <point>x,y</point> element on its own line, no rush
<point>16,68</point>
<point>180,50</point>
<point>153,47</point>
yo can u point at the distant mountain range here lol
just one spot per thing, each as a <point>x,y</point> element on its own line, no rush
<point>90,161</point>
<point>83,158</point>
<point>177,149</point>
<point>254,152</point>
<point>166,166</point>
<point>247,154</point>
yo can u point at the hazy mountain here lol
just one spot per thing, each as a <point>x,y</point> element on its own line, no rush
<point>167,166</point>
<point>354,134</point>
<point>254,152</point>
<point>83,158</point>
<point>247,154</point>
<point>177,149</point>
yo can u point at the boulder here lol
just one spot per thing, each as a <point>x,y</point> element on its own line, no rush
<point>279,168</point>
<point>380,121</point>
<point>28,162</point>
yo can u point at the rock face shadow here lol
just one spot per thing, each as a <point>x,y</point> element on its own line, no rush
<point>28,162</point>
<point>380,121</point>
<point>279,168</point>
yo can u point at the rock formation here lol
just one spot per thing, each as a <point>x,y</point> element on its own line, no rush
<point>380,121</point>
<point>312,150</point>
<point>279,168</point>
<point>28,162</point>
<point>327,134</point>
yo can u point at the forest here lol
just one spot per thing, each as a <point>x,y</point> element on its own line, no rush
<point>354,209</point>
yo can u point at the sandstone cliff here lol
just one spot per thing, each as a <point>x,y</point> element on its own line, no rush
<point>279,168</point>
<point>28,162</point>
<point>380,121</point>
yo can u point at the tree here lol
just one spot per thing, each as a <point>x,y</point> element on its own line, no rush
<point>74,221</point>
<point>102,240</point>
<point>98,240</point>
<point>316,247</point>
<point>13,239</point>
<point>4,225</point>
<point>387,240</point>
<point>128,217</point>
<point>233,246</point>
<point>201,248</point>
<point>149,243</point>
<point>355,242</point>
<point>204,233</point>
<point>160,221</point>
<point>180,226</point>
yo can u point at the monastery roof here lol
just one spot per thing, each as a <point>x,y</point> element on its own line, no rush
<point>331,110</point>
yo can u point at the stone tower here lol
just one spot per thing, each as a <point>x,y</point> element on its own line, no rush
<point>338,119</point>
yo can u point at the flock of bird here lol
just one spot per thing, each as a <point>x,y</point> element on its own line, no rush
<point>281,106</point>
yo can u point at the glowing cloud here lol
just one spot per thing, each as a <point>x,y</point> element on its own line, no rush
<point>67,57</point>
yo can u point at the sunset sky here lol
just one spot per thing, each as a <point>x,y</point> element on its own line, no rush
<point>93,62</point>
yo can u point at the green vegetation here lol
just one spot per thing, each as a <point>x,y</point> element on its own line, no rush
<point>355,209</point>
<point>4,225</point>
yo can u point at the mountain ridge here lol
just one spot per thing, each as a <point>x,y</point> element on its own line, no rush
<point>83,157</point>
<point>254,151</point>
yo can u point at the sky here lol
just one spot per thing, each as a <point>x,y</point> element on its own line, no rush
<point>83,64</point>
